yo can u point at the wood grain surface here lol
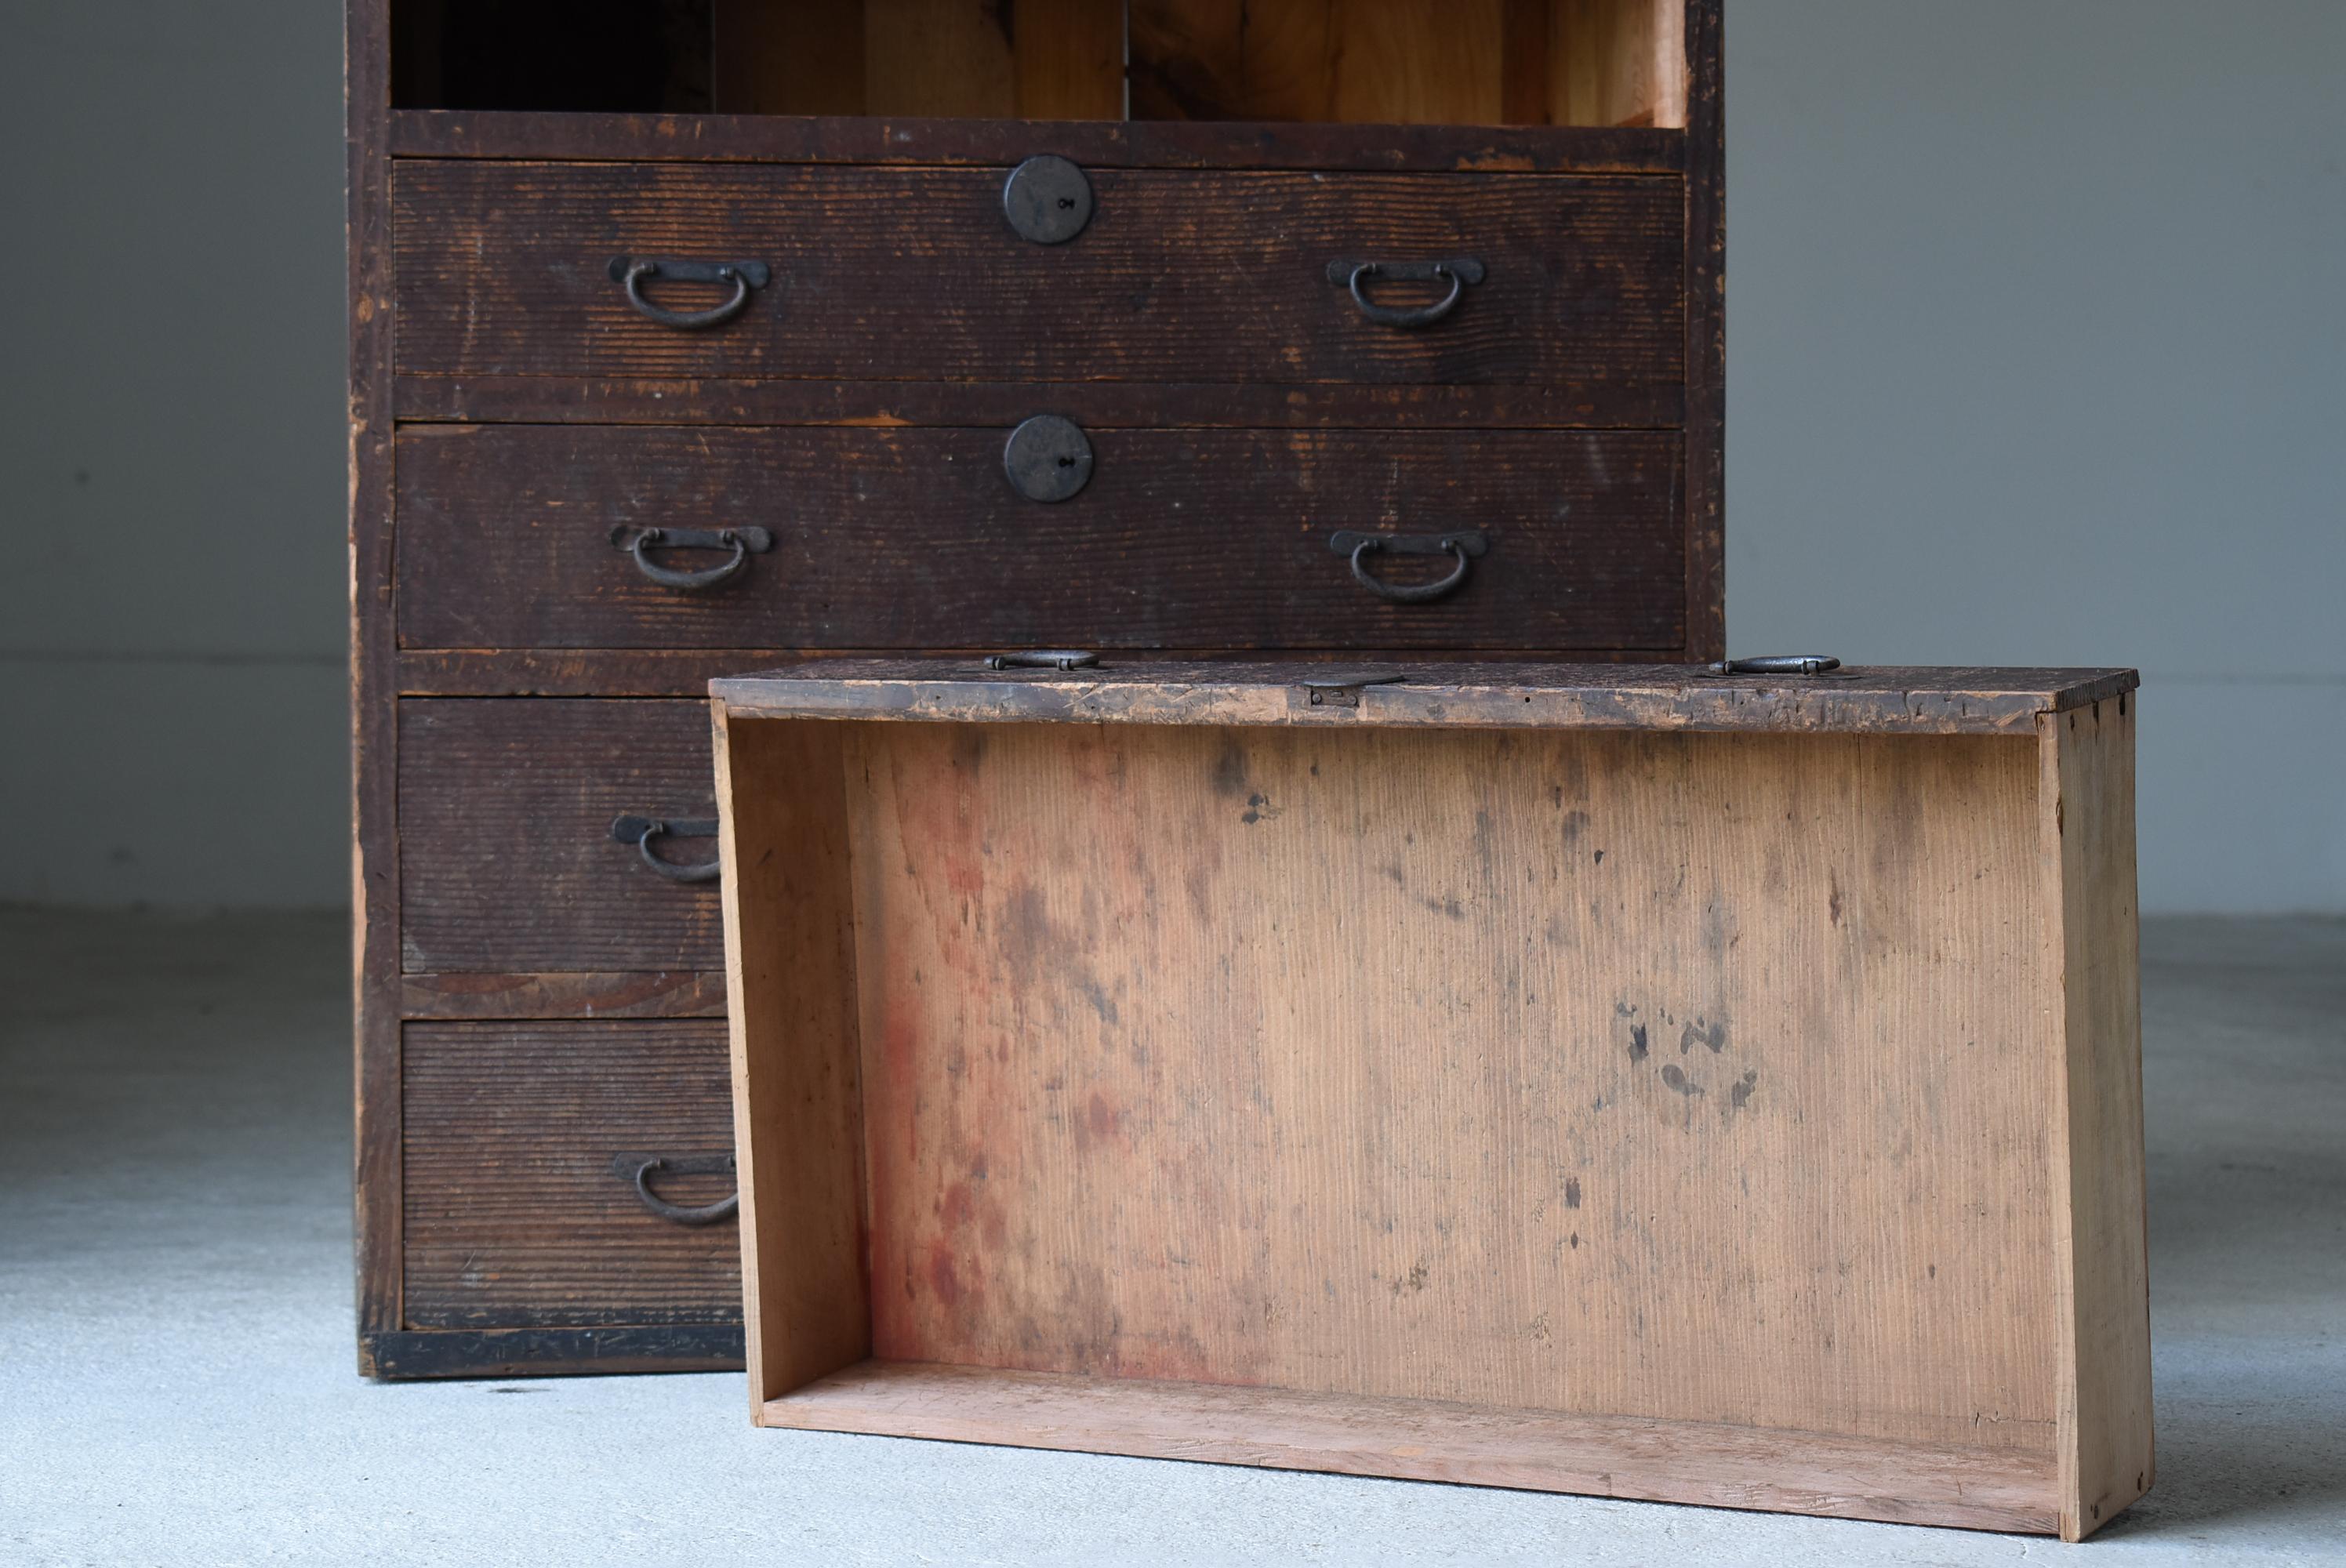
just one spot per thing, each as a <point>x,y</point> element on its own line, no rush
<point>507,863</point>
<point>1691,1077</point>
<point>514,1215</point>
<point>1420,1439</point>
<point>916,539</point>
<point>2086,792</point>
<point>914,273</point>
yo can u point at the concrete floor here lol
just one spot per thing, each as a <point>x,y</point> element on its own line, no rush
<point>176,1380</point>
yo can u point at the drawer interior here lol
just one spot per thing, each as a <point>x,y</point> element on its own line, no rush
<point>1515,1097</point>
<point>1407,62</point>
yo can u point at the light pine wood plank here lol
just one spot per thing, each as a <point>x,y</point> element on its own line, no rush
<point>2088,836</point>
<point>1731,1467</point>
<point>798,1131</point>
<point>1697,1077</point>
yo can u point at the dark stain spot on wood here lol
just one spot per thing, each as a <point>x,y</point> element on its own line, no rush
<point>1739,1095</point>
<point>1230,772</point>
<point>1572,1192</point>
<point>1575,1241</point>
<point>1623,1010</point>
<point>944,1278</point>
<point>1600,857</point>
<point>1449,907</point>
<point>1101,1118</point>
<point>1574,822</point>
<point>1026,928</point>
<point>1096,994</point>
<point>1833,896</point>
<point>1637,1043</point>
<point>1704,1033</point>
<point>1414,1281</point>
<point>968,746</point>
<point>1679,1081</point>
<point>1935,1271</point>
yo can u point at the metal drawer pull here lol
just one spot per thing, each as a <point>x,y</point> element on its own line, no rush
<point>1465,545</point>
<point>641,831</point>
<point>740,541</point>
<point>1043,658</point>
<point>1777,664</point>
<point>630,273</point>
<point>1459,270</point>
<point>639,1170</point>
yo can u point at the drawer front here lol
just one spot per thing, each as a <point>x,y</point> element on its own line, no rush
<point>514,1213</point>
<point>885,273</point>
<point>911,539</point>
<point>508,862</point>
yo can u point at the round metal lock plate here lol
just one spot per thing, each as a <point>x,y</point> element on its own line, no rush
<point>1049,199</point>
<point>1048,458</point>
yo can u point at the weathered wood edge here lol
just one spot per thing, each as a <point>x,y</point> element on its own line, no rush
<point>373,675</point>
<point>1103,144</point>
<point>649,994</point>
<point>1545,699</point>
<point>422,399</point>
<point>1705,457</point>
<point>686,672</point>
<point>2085,809</point>
<point>416,1354</point>
<point>1425,1440</point>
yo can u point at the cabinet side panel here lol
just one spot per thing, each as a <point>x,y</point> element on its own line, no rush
<point>375,850</point>
<point>797,1134</point>
<point>1706,341</point>
<point>2105,1441</point>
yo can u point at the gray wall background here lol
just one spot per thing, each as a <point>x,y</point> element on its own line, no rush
<point>2036,347</point>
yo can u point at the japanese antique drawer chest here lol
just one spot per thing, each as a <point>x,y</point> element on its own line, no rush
<point>1721,1090</point>
<point>689,335</point>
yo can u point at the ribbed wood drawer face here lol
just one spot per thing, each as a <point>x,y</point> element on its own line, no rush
<point>911,539</point>
<point>508,862</point>
<point>894,273</point>
<point>514,1215</point>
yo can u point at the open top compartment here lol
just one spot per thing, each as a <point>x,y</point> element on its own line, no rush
<point>1407,62</point>
<point>1722,1090</point>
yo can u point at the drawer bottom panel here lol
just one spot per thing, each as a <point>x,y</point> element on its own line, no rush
<point>515,1213</point>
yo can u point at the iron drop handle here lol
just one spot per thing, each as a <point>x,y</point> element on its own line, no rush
<point>631,272</point>
<point>1354,276</point>
<point>641,831</point>
<point>1465,545</point>
<point>638,1170</point>
<point>739,541</point>
<point>1777,664</point>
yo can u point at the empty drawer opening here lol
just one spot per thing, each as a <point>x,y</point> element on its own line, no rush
<point>1425,62</point>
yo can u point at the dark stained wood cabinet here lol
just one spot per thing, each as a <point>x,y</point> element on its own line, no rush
<point>687,338</point>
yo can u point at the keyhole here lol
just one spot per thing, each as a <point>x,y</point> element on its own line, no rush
<point>1067,463</point>
<point>1066,203</point>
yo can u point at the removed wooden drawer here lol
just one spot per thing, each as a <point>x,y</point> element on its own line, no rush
<point>508,862</point>
<point>894,273</point>
<point>532,1194</point>
<point>535,536</point>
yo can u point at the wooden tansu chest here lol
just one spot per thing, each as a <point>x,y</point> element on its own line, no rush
<point>693,335</point>
<point>1724,1090</point>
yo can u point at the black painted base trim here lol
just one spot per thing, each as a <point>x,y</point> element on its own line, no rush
<point>551,1352</point>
